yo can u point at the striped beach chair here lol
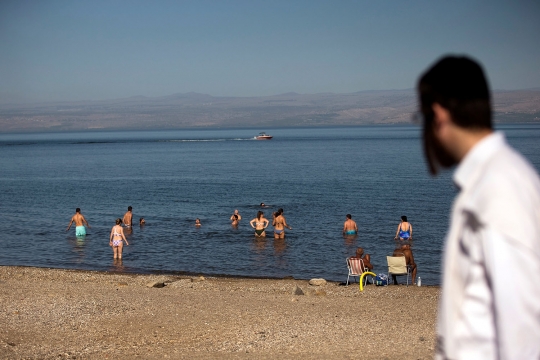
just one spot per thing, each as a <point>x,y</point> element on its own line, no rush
<point>356,268</point>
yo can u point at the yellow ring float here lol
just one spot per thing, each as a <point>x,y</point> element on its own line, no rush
<point>362,279</point>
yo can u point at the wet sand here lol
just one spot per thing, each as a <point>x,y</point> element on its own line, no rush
<point>50,313</point>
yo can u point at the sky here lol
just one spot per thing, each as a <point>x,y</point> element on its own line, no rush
<point>94,50</point>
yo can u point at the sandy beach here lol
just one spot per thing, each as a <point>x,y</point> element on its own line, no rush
<point>53,313</point>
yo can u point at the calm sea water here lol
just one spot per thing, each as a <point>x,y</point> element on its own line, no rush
<point>172,177</point>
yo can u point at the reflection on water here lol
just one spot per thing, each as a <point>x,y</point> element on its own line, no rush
<point>259,244</point>
<point>117,265</point>
<point>78,244</point>
<point>279,246</point>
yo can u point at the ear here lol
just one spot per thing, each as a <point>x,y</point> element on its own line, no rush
<point>442,116</point>
<point>442,120</point>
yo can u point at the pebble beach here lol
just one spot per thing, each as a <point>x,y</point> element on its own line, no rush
<point>70,314</point>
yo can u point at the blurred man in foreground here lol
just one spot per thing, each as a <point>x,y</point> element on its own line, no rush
<point>490,303</point>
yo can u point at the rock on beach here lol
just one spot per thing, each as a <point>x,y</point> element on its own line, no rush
<point>317,282</point>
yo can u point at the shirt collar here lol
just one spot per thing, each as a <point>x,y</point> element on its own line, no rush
<point>476,157</point>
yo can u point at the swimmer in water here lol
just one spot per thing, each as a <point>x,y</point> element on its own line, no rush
<point>128,217</point>
<point>117,238</point>
<point>350,227</point>
<point>234,220</point>
<point>260,224</point>
<point>197,222</point>
<point>404,230</point>
<point>237,214</point>
<point>79,221</point>
<point>280,224</point>
<point>142,221</point>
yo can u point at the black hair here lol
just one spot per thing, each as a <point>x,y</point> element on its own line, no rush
<point>78,210</point>
<point>259,214</point>
<point>130,208</point>
<point>458,84</point>
<point>348,216</point>
<point>404,218</point>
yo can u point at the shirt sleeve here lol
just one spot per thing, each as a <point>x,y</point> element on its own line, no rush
<point>513,272</point>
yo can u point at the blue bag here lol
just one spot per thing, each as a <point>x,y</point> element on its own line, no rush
<point>381,280</point>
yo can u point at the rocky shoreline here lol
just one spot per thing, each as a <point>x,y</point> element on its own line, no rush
<point>58,314</point>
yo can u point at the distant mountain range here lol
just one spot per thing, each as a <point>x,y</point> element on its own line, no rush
<point>193,110</point>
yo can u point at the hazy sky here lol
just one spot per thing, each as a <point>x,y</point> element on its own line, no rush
<point>91,50</point>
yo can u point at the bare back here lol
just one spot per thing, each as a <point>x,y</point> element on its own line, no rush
<point>350,225</point>
<point>127,218</point>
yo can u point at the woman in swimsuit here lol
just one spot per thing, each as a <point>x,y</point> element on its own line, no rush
<point>404,230</point>
<point>234,219</point>
<point>117,238</point>
<point>280,224</point>
<point>260,224</point>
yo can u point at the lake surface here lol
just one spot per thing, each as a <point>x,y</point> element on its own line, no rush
<point>170,178</point>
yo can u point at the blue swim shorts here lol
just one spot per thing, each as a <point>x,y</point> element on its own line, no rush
<point>80,231</point>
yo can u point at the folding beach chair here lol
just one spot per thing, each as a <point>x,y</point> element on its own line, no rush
<point>397,265</point>
<point>356,269</point>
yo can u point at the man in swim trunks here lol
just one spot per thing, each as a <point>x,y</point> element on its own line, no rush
<point>365,259</point>
<point>350,227</point>
<point>128,217</point>
<point>405,250</point>
<point>79,221</point>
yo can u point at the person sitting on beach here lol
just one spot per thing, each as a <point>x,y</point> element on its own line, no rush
<point>405,250</point>
<point>236,215</point>
<point>234,220</point>
<point>79,221</point>
<point>260,224</point>
<point>142,221</point>
<point>404,230</point>
<point>117,238</point>
<point>128,216</point>
<point>197,222</point>
<point>280,224</point>
<point>366,259</point>
<point>350,227</point>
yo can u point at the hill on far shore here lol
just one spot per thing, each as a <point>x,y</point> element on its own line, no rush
<point>193,110</point>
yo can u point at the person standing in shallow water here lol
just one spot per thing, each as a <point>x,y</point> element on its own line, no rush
<point>236,216</point>
<point>117,238</point>
<point>260,224</point>
<point>350,227</point>
<point>128,217</point>
<point>280,224</point>
<point>79,221</point>
<point>404,230</point>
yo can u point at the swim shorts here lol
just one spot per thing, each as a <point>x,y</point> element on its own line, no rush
<point>350,232</point>
<point>80,231</point>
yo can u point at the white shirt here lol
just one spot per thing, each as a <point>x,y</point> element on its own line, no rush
<point>490,301</point>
